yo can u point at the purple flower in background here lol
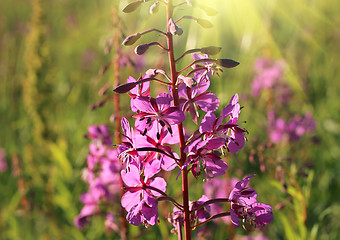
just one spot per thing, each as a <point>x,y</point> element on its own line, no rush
<point>268,73</point>
<point>244,207</point>
<point>277,127</point>
<point>110,223</point>
<point>140,202</point>
<point>90,201</point>
<point>102,174</point>
<point>299,126</point>
<point>259,236</point>
<point>100,134</point>
<point>293,130</point>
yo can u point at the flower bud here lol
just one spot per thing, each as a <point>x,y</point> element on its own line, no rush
<point>141,49</point>
<point>227,63</point>
<point>154,8</point>
<point>189,82</point>
<point>151,72</point>
<point>204,23</point>
<point>132,6</point>
<point>212,50</point>
<point>174,29</point>
<point>131,39</point>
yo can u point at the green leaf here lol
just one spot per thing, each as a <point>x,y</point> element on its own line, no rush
<point>132,6</point>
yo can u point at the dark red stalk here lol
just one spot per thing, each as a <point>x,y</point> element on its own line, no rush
<point>116,101</point>
<point>212,217</point>
<point>174,75</point>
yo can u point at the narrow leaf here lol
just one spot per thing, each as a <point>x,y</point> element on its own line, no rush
<point>204,23</point>
<point>132,6</point>
<point>227,63</point>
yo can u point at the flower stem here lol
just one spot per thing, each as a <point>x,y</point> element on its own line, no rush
<point>116,102</point>
<point>174,75</point>
<point>213,217</point>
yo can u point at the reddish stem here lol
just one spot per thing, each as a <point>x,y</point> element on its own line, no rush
<point>116,102</point>
<point>174,75</point>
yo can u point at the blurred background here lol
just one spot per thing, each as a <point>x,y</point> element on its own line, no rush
<point>55,58</point>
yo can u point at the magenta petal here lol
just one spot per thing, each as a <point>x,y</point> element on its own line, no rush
<point>234,99</point>
<point>208,122</point>
<point>126,127</point>
<point>150,211</point>
<point>163,101</point>
<point>158,183</point>
<point>218,167</point>
<point>143,104</point>
<point>151,168</point>
<point>215,143</point>
<point>263,217</point>
<point>182,91</point>
<point>200,88</point>
<point>134,217</point>
<point>234,218</point>
<point>207,102</point>
<point>172,138</point>
<point>238,143</point>
<point>130,199</point>
<point>168,163</point>
<point>173,116</point>
<point>131,178</point>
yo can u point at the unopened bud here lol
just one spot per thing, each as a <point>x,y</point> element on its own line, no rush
<point>204,23</point>
<point>189,82</point>
<point>131,39</point>
<point>212,50</point>
<point>141,49</point>
<point>227,63</point>
<point>151,72</point>
<point>132,6</point>
<point>154,8</point>
<point>174,29</point>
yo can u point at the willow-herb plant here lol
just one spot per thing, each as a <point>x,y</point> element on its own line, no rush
<point>148,148</point>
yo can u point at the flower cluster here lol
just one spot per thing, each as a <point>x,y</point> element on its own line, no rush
<point>292,130</point>
<point>245,207</point>
<point>102,176</point>
<point>157,140</point>
<point>268,74</point>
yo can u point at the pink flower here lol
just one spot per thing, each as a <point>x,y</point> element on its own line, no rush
<point>268,72</point>
<point>157,110</point>
<point>214,129</point>
<point>139,201</point>
<point>142,89</point>
<point>244,206</point>
<point>195,98</point>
